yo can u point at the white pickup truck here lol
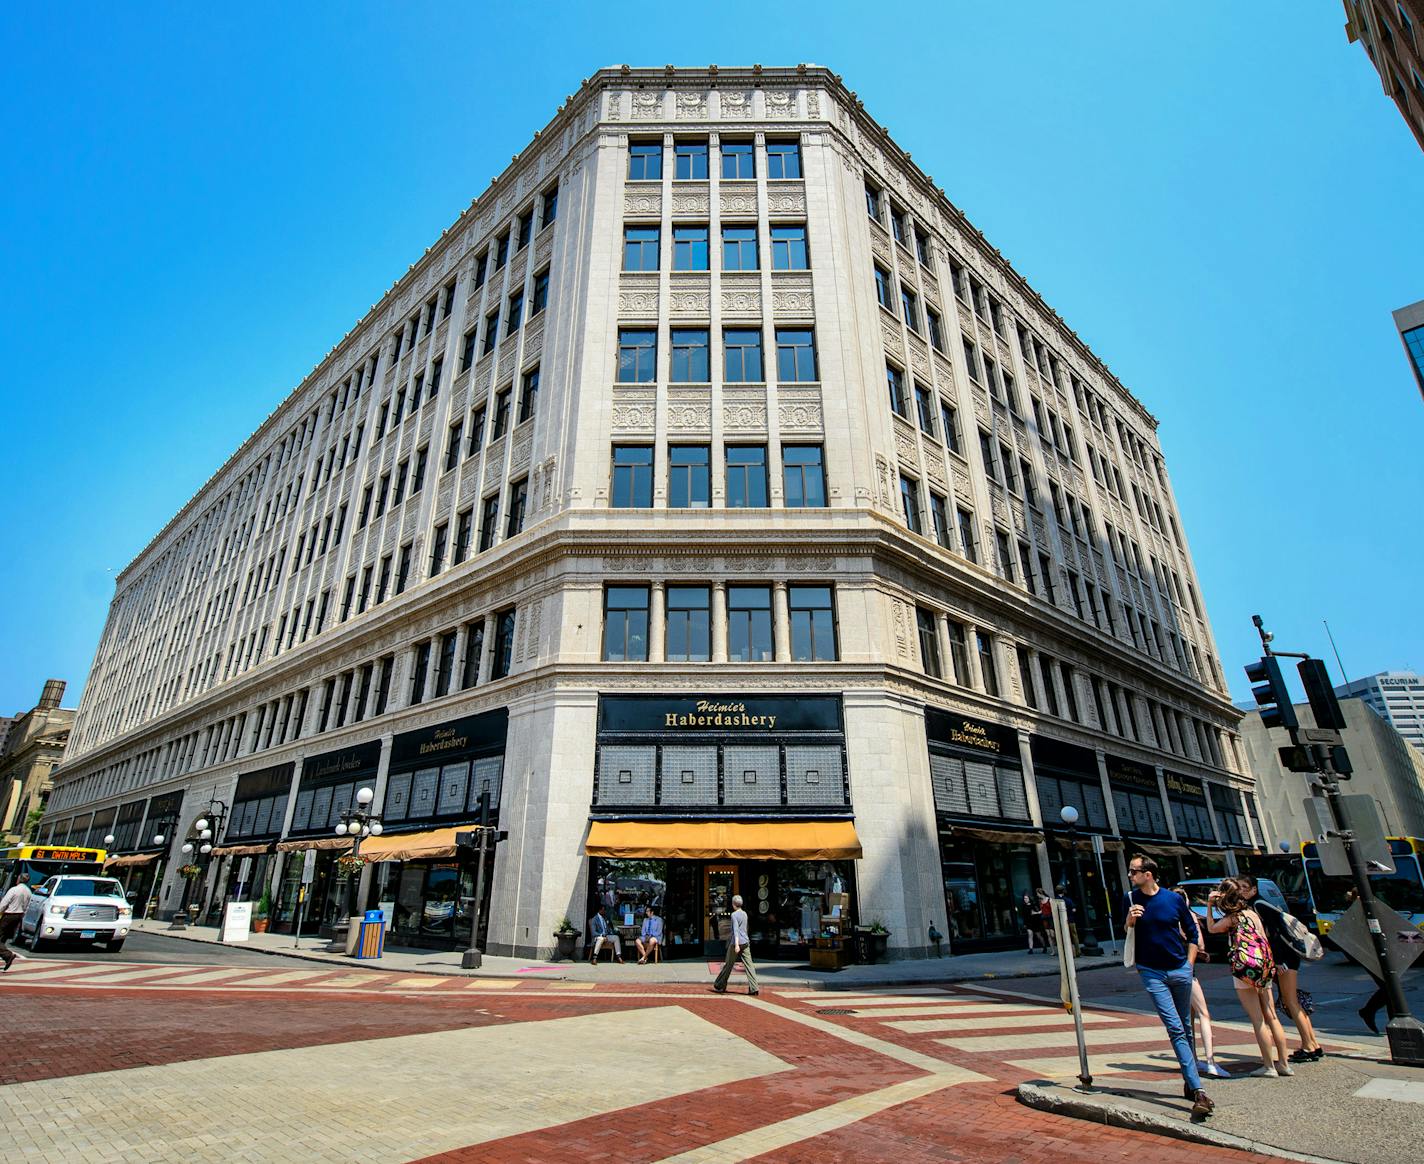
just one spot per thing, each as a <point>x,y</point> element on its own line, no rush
<point>87,909</point>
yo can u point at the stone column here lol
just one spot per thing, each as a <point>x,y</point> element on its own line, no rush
<point>971,652</point>
<point>946,649</point>
<point>719,622</point>
<point>657,623</point>
<point>487,654</point>
<point>781,622</point>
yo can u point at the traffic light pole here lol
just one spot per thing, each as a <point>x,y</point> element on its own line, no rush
<point>1404,1032</point>
<point>472,958</point>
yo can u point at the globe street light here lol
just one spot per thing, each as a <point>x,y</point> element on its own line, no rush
<point>357,823</point>
<point>1089,944</point>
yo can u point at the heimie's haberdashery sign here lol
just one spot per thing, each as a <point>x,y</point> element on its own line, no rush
<point>960,731</point>
<point>458,737</point>
<point>719,713</point>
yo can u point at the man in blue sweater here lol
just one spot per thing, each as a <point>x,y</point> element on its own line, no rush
<point>1164,955</point>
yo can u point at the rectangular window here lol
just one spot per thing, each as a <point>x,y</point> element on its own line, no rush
<point>987,666</point>
<point>383,586</point>
<point>637,356</point>
<point>922,248</point>
<point>515,315</point>
<point>689,477</point>
<point>491,332</point>
<point>813,623</point>
<point>689,248</point>
<point>971,359</point>
<point>746,476</point>
<point>1006,554</point>
<point>949,421</point>
<point>910,503</point>
<point>897,225</point>
<point>474,651</point>
<point>540,299</point>
<point>528,395</point>
<point>467,350</point>
<point>795,355</point>
<point>788,249</point>
<point>936,329</point>
<point>439,542</point>
<point>641,248</point>
<point>929,642</point>
<point>959,651</point>
<point>632,477</point>
<point>464,533</point>
<point>783,159</point>
<point>803,476</point>
<point>382,493</point>
<point>691,357</point>
<point>741,356</point>
<point>514,513</point>
<point>422,462</point>
<point>1045,572</point>
<point>403,568</point>
<point>418,671</point>
<point>691,161</point>
<point>525,230</point>
<point>872,201</point>
<point>749,637</point>
<point>502,400</point>
<point>738,161</point>
<point>481,269</point>
<point>1006,467</point>
<point>1026,564</point>
<point>739,248</point>
<point>445,664</point>
<point>1050,692</point>
<point>501,251</point>
<point>1026,676</point>
<point>503,644</point>
<point>489,522</point>
<point>895,385</point>
<point>436,371</point>
<point>689,624</point>
<point>645,161</point>
<point>924,410</point>
<point>968,544</point>
<point>939,516</point>
<point>625,624</point>
<point>550,212</point>
<point>477,430</point>
<point>883,294</point>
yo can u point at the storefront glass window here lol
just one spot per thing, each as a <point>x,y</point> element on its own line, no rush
<point>983,883</point>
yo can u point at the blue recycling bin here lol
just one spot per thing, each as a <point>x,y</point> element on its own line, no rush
<point>371,941</point>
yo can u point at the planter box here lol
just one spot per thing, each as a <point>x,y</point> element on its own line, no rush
<point>830,956</point>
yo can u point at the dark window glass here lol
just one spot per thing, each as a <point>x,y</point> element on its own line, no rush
<point>939,515</point>
<point>929,642</point>
<point>739,248</point>
<point>883,293</point>
<point>691,359</point>
<point>474,650</point>
<point>783,159</point>
<point>501,412</point>
<point>968,544</point>
<point>895,384</point>
<point>813,623</point>
<point>691,159</point>
<point>525,229</point>
<point>528,394</point>
<point>418,672</point>
<point>987,666</point>
<point>439,542</point>
<point>742,356</point>
<point>491,332</point>
<point>503,644</point>
<point>749,624</point>
<point>795,355</point>
<point>540,299</point>
<point>514,514</point>
<point>489,522</point>
<point>746,476</point>
<point>689,624</point>
<point>910,503</point>
<point>501,252</point>
<point>788,249</point>
<point>632,477</point>
<point>625,624</point>
<point>803,476</point>
<point>464,532</point>
<point>738,160</point>
<point>645,161</point>
<point>910,308</point>
<point>689,248</point>
<point>445,664</point>
<point>689,477</point>
<point>924,410</point>
<point>640,248</point>
<point>551,206</point>
<point>872,201</point>
<point>637,356</point>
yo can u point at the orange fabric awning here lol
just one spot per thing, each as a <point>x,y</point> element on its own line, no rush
<point>242,850</point>
<point>411,846</point>
<point>314,843</point>
<point>130,860</point>
<point>711,840</point>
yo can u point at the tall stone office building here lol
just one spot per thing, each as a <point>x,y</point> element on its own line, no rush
<point>714,497</point>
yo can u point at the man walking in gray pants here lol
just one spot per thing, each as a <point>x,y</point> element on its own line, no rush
<point>739,947</point>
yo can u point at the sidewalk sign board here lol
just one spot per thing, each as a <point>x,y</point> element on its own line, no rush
<point>237,921</point>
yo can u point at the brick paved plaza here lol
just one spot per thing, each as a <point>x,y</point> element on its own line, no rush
<point>121,1062</point>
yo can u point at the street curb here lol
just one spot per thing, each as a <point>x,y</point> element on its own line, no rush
<point>855,987</point>
<point>1059,1101</point>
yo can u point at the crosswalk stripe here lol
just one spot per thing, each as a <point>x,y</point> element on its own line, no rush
<point>204,976</point>
<point>352,980</point>
<point>1007,1044</point>
<point>826,995</point>
<point>491,984</point>
<point>962,1008</point>
<point>858,1000</point>
<point>1110,1063</point>
<point>103,978</point>
<point>264,979</point>
<point>571,985</point>
<point>45,970</point>
<point>425,982</point>
<point>990,1022</point>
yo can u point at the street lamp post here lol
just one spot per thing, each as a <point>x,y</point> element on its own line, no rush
<point>207,827</point>
<point>357,823</point>
<point>1089,943</point>
<point>164,825</point>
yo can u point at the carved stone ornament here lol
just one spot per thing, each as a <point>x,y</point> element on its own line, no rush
<point>802,418</point>
<point>741,303</point>
<point>906,451</point>
<point>785,199</point>
<point>813,103</point>
<point>690,202</point>
<point>647,106</point>
<point>642,203</point>
<point>690,418</point>
<point>796,303</point>
<point>738,416</point>
<point>642,303</point>
<point>934,466</point>
<point>735,104</point>
<point>615,106</point>
<point>692,106</point>
<point>902,633</point>
<point>691,303</point>
<point>890,330</point>
<point>736,202</point>
<point>780,103</point>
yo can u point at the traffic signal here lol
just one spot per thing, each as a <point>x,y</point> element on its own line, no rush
<point>1323,704</point>
<point>1297,758</point>
<point>1271,693</point>
<point>1316,758</point>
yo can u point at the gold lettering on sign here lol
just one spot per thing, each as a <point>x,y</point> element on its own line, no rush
<point>975,735</point>
<point>710,714</point>
<point>444,740</point>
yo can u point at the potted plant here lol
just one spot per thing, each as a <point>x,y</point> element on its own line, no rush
<point>565,935</point>
<point>350,865</point>
<point>872,940</point>
<point>190,871</point>
<point>260,914</point>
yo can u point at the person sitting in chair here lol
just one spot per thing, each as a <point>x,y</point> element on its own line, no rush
<point>651,938</point>
<point>602,930</point>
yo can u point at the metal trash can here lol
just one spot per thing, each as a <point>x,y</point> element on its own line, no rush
<point>371,935</point>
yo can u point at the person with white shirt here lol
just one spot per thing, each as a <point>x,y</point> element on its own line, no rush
<point>739,949</point>
<point>12,910</point>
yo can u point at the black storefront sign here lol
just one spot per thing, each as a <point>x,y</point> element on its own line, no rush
<point>439,773</point>
<point>729,714</point>
<point>1137,799</point>
<point>126,827</point>
<point>1187,797</point>
<point>329,782</point>
<point>1066,774</point>
<point>975,768</point>
<point>259,805</point>
<point>162,814</point>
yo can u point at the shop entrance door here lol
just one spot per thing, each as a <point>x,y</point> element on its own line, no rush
<point>720,884</point>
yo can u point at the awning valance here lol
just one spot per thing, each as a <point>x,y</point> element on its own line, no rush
<point>997,836</point>
<point>411,846</point>
<point>314,843</point>
<point>131,860</point>
<point>711,840</point>
<point>1161,848</point>
<point>242,850</point>
<point>1084,844</point>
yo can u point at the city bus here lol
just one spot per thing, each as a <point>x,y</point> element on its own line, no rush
<point>1401,890</point>
<point>42,862</point>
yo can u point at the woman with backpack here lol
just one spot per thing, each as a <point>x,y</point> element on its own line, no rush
<point>1287,974</point>
<point>1253,972</point>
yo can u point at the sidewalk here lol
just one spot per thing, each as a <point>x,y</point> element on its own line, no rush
<point>961,968</point>
<point>1351,1109</point>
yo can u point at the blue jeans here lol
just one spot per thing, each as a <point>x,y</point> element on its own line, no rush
<point>1171,994</point>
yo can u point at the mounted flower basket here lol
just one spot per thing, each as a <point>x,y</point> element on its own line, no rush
<point>191,871</point>
<point>348,865</point>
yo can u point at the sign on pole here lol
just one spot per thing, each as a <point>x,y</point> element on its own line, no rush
<point>1405,941</point>
<point>308,866</point>
<point>1068,986</point>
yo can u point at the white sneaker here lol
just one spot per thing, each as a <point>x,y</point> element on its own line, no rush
<point>1264,1073</point>
<point>1284,1069</point>
<point>1214,1069</point>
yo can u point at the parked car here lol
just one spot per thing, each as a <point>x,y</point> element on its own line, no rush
<point>87,909</point>
<point>1199,887</point>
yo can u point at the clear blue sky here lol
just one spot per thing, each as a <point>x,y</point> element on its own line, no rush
<point>196,205</point>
